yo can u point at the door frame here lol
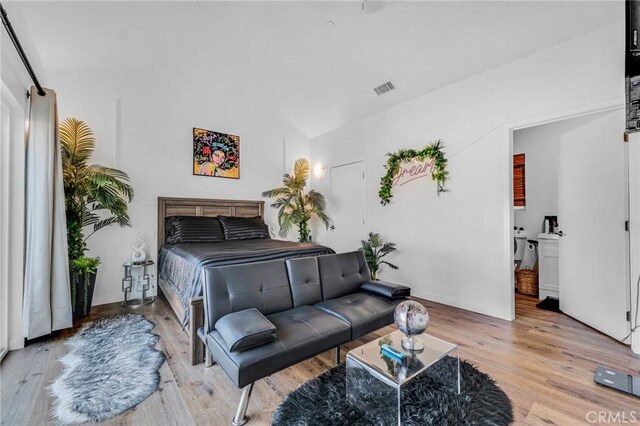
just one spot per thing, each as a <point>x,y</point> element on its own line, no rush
<point>364,178</point>
<point>595,108</point>
<point>15,210</point>
<point>5,202</point>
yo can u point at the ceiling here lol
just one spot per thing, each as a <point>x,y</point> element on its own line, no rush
<point>286,56</point>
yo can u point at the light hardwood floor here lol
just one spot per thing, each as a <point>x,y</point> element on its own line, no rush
<point>543,360</point>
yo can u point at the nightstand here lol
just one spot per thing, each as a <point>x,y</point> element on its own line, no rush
<point>138,280</point>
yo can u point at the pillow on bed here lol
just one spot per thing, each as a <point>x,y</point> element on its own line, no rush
<point>244,228</point>
<point>193,229</point>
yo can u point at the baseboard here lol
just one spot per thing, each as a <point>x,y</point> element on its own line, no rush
<point>17,343</point>
<point>106,299</point>
<point>457,303</point>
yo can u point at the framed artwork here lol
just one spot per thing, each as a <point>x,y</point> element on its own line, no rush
<point>216,154</point>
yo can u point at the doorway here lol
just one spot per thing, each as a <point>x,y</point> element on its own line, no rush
<point>347,204</point>
<point>569,221</point>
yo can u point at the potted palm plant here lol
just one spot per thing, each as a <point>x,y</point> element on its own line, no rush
<point>296,206</point>
<point>375,249</point>
<point>95,197</point>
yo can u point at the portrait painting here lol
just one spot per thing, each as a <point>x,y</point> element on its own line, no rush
<point>216,154</point>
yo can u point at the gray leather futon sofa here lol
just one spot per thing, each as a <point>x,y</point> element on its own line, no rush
<point>263,317</point>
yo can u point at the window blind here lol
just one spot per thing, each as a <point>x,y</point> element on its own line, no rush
<point>519,192</point>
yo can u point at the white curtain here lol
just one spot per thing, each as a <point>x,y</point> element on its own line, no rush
<point>47,299</point>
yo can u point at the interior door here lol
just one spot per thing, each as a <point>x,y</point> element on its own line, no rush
<point>347,206</point>
<point>592,210</point>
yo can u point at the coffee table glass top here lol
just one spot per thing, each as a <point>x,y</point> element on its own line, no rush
<point>416,362</point>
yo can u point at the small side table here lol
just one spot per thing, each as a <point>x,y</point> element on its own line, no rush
<point>376,384</point>
<point>141,276</point>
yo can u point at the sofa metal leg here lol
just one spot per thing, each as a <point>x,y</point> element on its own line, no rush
<point>208,359</point>
<point>241,413</point>
<point>337,355</point>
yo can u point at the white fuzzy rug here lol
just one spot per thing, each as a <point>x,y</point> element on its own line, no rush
<point>111,366</point>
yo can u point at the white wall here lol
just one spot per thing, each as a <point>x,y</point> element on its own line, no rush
<point>540,146</point>
<point>456,248</point>
<point>151,139</point>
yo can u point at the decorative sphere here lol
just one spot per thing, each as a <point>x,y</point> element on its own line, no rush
<point>411,318</point>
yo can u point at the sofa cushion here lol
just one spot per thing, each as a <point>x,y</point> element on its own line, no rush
<point>303,332</point>
<point>386,289</point>
<point>260,285</point>
<point>304,278</point>
<point>364,312</point>
<point>245,329</point>
<point>342,274</point>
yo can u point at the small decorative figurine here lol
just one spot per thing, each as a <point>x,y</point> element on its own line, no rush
<point>412,319</point>
<point>138,256</point>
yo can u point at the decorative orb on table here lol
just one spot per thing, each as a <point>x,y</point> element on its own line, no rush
<point>412,319</point>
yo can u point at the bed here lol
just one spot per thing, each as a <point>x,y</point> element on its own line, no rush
<point>180,265</point>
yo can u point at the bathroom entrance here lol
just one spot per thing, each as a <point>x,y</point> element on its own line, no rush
<point>570,206</point>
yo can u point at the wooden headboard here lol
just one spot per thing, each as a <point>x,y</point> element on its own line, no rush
<point>168,206</point>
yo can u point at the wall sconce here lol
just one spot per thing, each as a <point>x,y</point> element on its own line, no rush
<point>319,170</point>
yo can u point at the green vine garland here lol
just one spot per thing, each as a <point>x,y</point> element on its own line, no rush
<point>432,151</point>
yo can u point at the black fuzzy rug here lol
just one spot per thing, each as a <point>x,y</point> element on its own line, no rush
<point>426,401</point>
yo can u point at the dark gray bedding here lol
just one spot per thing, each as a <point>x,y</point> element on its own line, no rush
<point>180,264</point>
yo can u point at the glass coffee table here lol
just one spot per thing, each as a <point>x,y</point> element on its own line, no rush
<point>375,383</point>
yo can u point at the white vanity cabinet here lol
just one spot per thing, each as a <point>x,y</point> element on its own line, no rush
<point>549,274</point>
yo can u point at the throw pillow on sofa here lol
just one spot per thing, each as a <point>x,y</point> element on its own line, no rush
<point>245,329</point>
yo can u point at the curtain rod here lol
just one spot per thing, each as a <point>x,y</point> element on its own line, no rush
<point>18,46</point>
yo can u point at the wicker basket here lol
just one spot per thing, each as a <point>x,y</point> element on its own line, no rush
<point>527,282</point>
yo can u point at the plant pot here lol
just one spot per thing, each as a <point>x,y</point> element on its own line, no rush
<point>82,286</point>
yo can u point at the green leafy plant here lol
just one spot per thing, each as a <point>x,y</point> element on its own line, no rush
<point>296,207</point>
<point>432,151</point>
<point>81,270</point>
<point>375,249</point>
<point>84,265</point>
<point>95,196</point>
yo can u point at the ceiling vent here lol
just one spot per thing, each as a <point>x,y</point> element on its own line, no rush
<point>384,88</point>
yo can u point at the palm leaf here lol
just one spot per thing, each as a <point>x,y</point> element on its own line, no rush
<point>107,177</point>
<point>90,190</point>
<point>89,218</point>
<point>320,214</point>
<point>315,200</point>
<point>109,221</point>
<point>300,173</point>
<point>374,250</point>
<point>375,239</point>
<point>277,192</point>
<point>288,181</point>
<point>390,265</point>
<point>281,202</point>
<point>295,207</point>
<point>77,141</point>
<point>387,248</point>
<point>286,224</point>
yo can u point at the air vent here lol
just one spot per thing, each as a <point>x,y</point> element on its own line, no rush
<point>384,88</point>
